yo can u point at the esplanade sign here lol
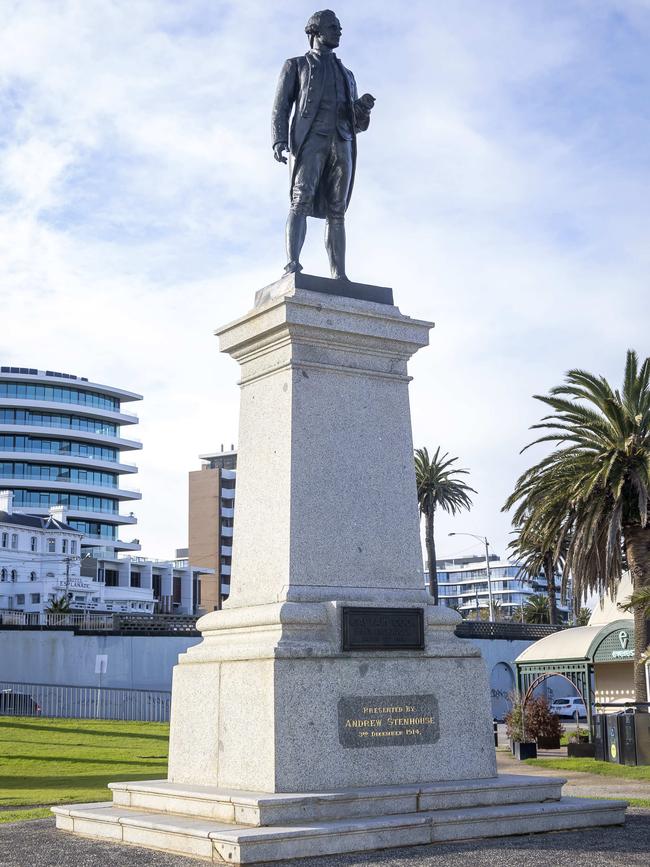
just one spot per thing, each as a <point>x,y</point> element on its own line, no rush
<point>616,646</point>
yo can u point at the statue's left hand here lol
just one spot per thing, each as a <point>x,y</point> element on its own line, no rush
<point>367,101</point>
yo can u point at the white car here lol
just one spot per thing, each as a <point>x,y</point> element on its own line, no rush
<point>567,707</point>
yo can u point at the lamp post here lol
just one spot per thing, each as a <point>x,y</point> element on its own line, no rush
<point>487,567</point>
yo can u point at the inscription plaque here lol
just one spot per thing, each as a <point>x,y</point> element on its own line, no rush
<point>382,628</point>
<point>388,720</point>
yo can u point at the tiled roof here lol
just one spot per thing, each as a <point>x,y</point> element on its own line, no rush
<point>40,522</point>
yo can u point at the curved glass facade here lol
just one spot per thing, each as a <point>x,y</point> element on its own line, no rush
<point>9,443</point>
<point>58,394</point>
<point>34,462</point>
<point>75,502</point>
<point>94,528</point>
<point>20,470</point>
<point>50,419</point>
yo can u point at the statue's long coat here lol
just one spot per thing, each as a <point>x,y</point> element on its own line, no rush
<point>301,86</point>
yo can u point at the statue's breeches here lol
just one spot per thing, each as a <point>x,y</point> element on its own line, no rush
<point>323,169</point>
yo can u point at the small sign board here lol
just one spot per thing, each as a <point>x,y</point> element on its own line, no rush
<point>388,720</point>
<point>101,663</point>
<point>382,628</point>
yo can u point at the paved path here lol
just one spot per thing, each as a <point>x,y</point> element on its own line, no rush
<point>38,844</point>
<point>579,785</point>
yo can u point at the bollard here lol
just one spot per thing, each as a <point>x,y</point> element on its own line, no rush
<point>496,732</point>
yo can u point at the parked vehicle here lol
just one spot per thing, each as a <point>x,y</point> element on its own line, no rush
<point>567,707</point>
<point>17,704</point>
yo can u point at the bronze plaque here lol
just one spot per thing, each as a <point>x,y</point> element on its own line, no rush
<point>382,628</point>
<point>388,720</point>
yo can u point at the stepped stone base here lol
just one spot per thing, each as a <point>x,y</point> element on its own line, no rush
<point>240,827</point>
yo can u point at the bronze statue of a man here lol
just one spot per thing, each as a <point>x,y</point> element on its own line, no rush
<point>322,139</point>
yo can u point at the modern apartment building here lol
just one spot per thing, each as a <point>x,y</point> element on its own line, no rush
<point>463,584</point>
<point>61,443</point>
<point>211,513</point>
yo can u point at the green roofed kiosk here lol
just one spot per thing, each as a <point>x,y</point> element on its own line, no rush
<point>598,660</point>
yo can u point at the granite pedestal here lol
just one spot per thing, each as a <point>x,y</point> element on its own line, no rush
<point>330,706</point>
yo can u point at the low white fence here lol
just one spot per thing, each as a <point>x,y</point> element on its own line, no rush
<point>88,620</point>
<point>83,702</point>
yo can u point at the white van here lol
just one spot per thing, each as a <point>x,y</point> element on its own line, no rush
<point>567,707</point>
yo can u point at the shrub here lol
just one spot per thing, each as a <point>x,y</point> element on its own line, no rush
<point>532,721</point>
<point>540,722</point>
<point>515,720</point>
<point>578,735</point>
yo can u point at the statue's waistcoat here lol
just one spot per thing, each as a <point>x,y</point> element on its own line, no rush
<point>312,81</point>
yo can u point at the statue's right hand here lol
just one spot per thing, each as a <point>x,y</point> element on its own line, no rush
<point>278,149</point>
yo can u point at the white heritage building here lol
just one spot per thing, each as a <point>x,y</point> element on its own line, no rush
<point>41,559</point>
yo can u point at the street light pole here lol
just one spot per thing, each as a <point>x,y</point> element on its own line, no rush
<point>487,567</point>
<point>489,578</point>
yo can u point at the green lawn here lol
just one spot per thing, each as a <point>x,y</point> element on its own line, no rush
<point>52,761</point>
<point>593,766</point>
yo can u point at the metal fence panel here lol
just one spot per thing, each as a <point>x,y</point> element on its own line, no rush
<point>83,702</point>
<point>96,622</point>
<point>486,629</point>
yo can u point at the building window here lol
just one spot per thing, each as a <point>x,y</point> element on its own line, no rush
<point>73,547</point>
<point>5,540</point>
<point>32,576</point>
<point>14,540</point>
<point>34,598</point>
<point>14,575</point>
<point>135,579</point>
<point>3,575</point>
<point>112,577</point>
<point>64,546</point>
<point>34,543</point>
<point>51,546</point>
<point>20,599</point>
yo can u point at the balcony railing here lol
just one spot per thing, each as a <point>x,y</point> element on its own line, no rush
<point>77,483</point>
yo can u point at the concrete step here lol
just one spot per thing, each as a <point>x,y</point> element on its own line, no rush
<point>236,844</point>
<point>256,809</point>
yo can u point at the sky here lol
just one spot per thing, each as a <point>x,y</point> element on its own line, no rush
<point>501,190</point>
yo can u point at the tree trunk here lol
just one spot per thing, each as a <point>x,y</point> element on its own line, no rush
<point>549,573</point>
<point>431,554</point>
<point>637,549</point>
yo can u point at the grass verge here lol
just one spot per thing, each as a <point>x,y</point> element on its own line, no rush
<point>594,766</point>
<point>24,815</point>
<point>633,802</point>
<point>54,761</point>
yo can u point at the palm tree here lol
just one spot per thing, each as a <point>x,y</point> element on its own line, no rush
<point>438,485</point>
<point>536,609</point>
<point>592,490</point>
<point>58,605</point>
<point>582,617</point>
<point>534,555</point>
<point>639,599</point>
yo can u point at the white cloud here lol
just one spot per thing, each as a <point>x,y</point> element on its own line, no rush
<point>501,192</point>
